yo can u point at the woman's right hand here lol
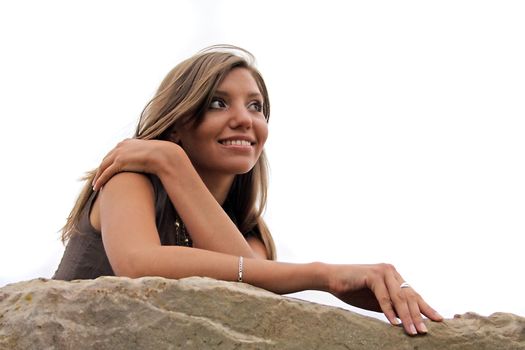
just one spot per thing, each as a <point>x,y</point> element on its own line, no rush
<point>142,156</point>
<point>379,288</point>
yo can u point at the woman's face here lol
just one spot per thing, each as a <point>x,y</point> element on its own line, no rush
<point>232,134</point>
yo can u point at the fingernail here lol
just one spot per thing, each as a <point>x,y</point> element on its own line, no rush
<point>413,330</point>
<point>423,327</point>
<point>396,322</point>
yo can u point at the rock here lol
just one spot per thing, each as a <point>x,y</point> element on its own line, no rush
<point>202,313</point>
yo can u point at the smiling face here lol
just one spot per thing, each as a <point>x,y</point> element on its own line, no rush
<point>231,136</point>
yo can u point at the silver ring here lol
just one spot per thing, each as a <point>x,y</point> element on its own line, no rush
<point>404,285</point>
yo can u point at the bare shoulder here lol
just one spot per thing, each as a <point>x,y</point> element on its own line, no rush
<point>122,187</point>
<point>128,181</point>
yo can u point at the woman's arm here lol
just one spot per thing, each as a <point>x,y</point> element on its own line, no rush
<point>133,247</point>
<point>132,244</point>
<point>209,226</point>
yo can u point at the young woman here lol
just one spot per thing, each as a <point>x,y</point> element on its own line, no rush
<point>184,197</point>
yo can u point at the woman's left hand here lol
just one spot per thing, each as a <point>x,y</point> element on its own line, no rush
<point>380,287</point>
<point>143,156</point>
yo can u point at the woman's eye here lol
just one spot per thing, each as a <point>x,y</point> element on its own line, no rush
<point>257,106</point>
<point>217,103</point>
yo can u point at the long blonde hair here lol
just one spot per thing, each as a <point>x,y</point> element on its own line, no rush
<point>183,97</point>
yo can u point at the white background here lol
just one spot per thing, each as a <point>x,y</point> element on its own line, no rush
<point>396,132</point>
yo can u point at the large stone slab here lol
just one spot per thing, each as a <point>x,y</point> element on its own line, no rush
<point>202,313</point>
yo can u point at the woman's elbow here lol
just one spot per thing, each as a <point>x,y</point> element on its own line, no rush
<point>131,265</point>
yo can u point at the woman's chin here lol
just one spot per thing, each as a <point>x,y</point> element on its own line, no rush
<point>239,169</point>
<point>243,170</point>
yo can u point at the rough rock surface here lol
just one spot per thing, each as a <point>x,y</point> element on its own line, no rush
<point>201,313</point>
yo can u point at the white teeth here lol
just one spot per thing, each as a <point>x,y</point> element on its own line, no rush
<point>236,143</point>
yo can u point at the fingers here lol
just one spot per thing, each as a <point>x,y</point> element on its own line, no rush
<point>403,302</point>
<point>99,180</point>
<point>105,176</point>
<point>415,315</point>
<point>403,305</point>
<point>407,295</point>
<point>429,312</point>
<point>141,156</point>
<point>385,303</point>
<point>109,166</point>
<point>423,307</point>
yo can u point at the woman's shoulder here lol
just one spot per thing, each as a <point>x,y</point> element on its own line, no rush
<point>128,177</point>
<point>130,184</point>
<point>121,189</point>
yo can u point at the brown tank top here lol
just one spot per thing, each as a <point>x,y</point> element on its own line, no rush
<point>85,257</point>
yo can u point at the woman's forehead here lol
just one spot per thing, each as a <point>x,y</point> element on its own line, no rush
<point>239,80</point>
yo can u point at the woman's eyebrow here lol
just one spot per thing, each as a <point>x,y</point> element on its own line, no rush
<point>252,94</point>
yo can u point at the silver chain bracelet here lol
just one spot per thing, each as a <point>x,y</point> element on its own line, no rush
<point>241,261</point>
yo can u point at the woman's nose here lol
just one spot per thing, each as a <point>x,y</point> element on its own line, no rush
<point>240,118</point>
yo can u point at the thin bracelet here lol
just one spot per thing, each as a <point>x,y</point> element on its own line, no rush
<point>241,261</point>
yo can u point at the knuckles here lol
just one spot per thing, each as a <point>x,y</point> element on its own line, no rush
<point>117,161</point>
<point>415,295</point>
<point>400,296</point>
<point>384,269</point>
<point>385,301</point>
<point>122,143</point>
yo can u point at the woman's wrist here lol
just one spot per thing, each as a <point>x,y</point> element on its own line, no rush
<point>169,160</point>
<point>321,276</point>
<point>329,276</point>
